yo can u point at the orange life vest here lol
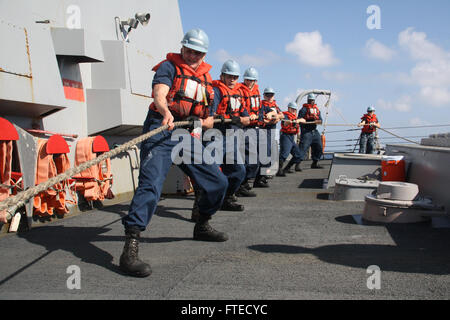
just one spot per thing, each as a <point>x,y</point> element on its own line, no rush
<point>5,168</point>
<point>50,165</point>
<point>8,178</point>
<point>95,182</point>
<point>252,101</point>
<point>289,128</point>
<point>232,100</point>
<point>272,105</point>
<point>312,112</point>
<point>191,92</point>
<point>369,119</point>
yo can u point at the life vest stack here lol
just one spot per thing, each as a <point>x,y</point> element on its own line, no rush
<point>94,183</point>
<point>52,160</point>
<point>17,166</point>
<point>9,180</point>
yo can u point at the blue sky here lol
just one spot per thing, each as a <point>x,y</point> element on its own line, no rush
<point>403,69</point>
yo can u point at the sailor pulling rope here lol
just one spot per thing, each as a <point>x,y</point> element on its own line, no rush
<point>13,203</point>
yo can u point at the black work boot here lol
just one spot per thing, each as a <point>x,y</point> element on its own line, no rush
<point>260,182</point>
<point>280,172</point>
<point>298,168</point>
<point>288,168</point>
<point>230,205</point>
<point>204,232</point>
<point>247,185</point>
<point>195,210</point>
<point>129,260</point>
<point>244,192</point>
<point>315,165</point>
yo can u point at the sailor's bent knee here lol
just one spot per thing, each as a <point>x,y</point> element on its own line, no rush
<point>221,184</point>
<point>240,170</point>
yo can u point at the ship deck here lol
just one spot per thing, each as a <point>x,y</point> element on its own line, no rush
<point>291,242</point>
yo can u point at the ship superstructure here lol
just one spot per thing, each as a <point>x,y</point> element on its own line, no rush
<point>83,68</point>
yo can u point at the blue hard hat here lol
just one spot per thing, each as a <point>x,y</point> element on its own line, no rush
<point>269,90</point>
<point>292,105</point>
<point>251,74</point>
<point>231,67</point>
<point>311,96</point>
<point>196,39</point>
<point>371,108</point>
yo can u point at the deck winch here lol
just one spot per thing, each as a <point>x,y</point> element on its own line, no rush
<point>399,202</point>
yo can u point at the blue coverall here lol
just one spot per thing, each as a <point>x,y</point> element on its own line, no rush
<point>289,146</point>
<point>309,137</point>
<point>235,172</point>
<point>367,143</point>
<point>267,132</point>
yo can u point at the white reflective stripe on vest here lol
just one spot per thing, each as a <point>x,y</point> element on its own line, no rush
<point>254,102</point>
<point>194,90</point>
<point>235,103</point>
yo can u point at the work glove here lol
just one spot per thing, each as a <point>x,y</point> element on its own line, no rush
<point>192,120</point>
<point>237,121</point>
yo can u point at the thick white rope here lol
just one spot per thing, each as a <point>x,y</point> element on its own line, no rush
<point>11,204</point>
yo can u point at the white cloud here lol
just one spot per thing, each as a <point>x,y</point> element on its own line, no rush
<point>377,50</point>
<point>403,104</point>
<point>222,55</point>
<point>310,49</point>
<point>419,47</point>
<point>432,69</point>
<point>437,96</point>
<point>264,58</point>
<point>433,73</point>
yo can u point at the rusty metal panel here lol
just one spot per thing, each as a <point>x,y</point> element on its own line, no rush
<point>140,64</point>
<point>15,52</point>
<point>31,83</point>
